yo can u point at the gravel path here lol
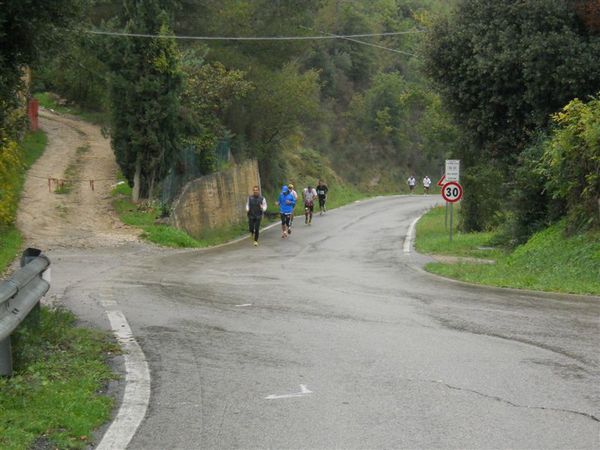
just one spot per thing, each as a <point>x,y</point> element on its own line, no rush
<point>83,217</point>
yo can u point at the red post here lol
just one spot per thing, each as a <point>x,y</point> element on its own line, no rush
<point>32,111</point>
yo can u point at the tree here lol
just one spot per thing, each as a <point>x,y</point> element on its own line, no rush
<point>280,104</point>
<point>146,82</point>
<point>503,68</point>
<point>27,29</point>
<point>209,90</point>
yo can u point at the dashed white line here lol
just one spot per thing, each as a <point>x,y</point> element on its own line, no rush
<point>137,388</point>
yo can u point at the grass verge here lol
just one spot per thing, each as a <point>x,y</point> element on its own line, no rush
<point>144,217</point>
<point>52,399</point>
<point>433,238</point>
<point>549,261</point>
<point>48,101</point>
<point>33,146</point>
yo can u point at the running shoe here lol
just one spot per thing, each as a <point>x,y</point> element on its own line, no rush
<point>256,243</point>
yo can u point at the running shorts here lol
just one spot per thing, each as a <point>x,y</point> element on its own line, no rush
<point>285,219</point>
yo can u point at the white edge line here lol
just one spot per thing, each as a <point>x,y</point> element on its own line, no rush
<point>409,236</point>
<point>137,388</point>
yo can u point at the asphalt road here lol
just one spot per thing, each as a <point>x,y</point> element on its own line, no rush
<point>334,338</point>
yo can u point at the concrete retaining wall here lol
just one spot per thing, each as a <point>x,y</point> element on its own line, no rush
<point>215,200</point>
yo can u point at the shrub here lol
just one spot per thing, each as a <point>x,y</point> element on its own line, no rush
<point>484,194</point>
<point>532,207</point>
<point>10,170</point>
<point>570,163</point>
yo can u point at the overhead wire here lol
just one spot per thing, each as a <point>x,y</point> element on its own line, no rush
<point>250,38</point>
<point>370,44</point>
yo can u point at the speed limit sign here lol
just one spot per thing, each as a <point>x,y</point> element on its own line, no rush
<point>452,192</point>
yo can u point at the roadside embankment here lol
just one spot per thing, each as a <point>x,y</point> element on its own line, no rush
<point>32,147</point>
<point>550,261</point>
<point>54,399</point>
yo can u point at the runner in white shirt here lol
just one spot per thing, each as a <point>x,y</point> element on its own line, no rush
<point>426,184</point>
<point>412,182</point>
<point>309,194</point>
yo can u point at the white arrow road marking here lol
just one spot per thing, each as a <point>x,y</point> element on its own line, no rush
<point>304,392</point>
<point>409,236</point>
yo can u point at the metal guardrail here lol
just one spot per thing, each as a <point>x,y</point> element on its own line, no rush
<point>19,295</point>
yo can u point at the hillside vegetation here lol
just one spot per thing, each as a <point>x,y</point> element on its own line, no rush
<point>524,94</point>
<point>548,261</point>
<point>367,111</point>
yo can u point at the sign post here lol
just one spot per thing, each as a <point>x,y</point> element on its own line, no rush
<point>440,183</point>
<point>451,190</point>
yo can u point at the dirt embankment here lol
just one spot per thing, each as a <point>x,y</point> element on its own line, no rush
<point>75,215</point>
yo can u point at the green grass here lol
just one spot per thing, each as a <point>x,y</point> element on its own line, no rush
<point>33,146</point>
<point>340,195</point>
<point>53,396</point>
<point>144,217</point>
<point>434,238</point>
<point>46,100</point>
<point>549,261</point>
<point>10,243</point>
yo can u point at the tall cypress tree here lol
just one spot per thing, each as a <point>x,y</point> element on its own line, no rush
<point>146,83</point>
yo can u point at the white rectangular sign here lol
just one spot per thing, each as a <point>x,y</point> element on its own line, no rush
<point>452,169</point>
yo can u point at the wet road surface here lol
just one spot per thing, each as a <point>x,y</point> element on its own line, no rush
<point>334,338</point>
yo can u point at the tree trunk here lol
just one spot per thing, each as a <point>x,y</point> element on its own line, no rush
<point>151,190</point>
<point>135,193</point>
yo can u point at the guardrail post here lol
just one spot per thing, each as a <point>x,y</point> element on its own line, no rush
<point>5,358</point>
<point>29,254</point>
<point>19,297</point>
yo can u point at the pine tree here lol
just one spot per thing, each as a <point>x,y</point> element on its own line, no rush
<point>146,83</point>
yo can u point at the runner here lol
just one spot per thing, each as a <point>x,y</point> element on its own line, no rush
<point>256,205</point>
<point>412,182</point>
<point>426,184</point>
<point>286,204</point>
<point>308,195</point>
<point>295,194</point>
<point>322,190</point>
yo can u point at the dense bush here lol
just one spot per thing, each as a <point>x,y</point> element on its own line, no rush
<point>484,194</point>
<point>531,205</point>
<point>10,170</point>
<point>571,163</point>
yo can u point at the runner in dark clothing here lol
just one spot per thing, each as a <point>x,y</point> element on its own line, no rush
<point>256,205</point>
<point>322,190</point>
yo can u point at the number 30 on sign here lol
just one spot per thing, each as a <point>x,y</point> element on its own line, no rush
<point>452,191</point>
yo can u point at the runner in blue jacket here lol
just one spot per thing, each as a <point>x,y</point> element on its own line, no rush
<point>286,204</point>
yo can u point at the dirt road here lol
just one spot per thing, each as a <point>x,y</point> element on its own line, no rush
<point>76,215</point>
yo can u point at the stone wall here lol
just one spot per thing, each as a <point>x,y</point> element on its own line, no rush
<point>215,200</point>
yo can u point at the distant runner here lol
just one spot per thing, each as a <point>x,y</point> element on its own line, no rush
<point>322,190</point>
<point>412,182</point>
<point>295,194</point>
<point>309,194</point>
<point>286,204</point>
<point>426,184</point>
<point>256,205</point>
